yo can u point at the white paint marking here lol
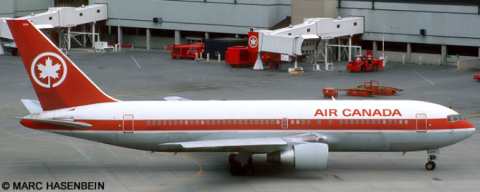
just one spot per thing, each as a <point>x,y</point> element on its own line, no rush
<point>79,150</point>
<point>135,61</point>
<point>424,78</point>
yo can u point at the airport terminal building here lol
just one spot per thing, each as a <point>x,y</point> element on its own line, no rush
<point>412,31</point>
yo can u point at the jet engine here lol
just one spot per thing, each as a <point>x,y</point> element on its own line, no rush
<point>302,156</point>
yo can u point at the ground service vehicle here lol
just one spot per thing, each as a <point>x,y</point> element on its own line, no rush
<point>196,50</point>
<point>179,51</point>
<point>379,90</point>
<point>295,133</point>
<point>365,63</point>
<point>239,56</point>
<point>477,77</point>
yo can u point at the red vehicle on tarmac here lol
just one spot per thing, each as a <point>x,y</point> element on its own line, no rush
<point>239,56</point>
<point>477,77</point>
<point>365,63</point>
<point>179,51</point>
<point>196,50</point>
<point>187,51</point>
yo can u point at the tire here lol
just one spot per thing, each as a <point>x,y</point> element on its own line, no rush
<point>375,68</point>
<point>363,68</point>
<point>231,159</point>
<point>430,165</point>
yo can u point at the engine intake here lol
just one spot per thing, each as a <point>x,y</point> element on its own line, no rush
<point>302,156</point>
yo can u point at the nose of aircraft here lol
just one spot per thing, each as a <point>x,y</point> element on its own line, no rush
<point>470,129</point>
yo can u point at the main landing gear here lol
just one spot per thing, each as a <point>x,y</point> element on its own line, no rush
<point>430,165</point>
<point>239,167</point>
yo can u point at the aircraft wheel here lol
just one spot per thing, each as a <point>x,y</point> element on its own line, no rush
<point>249,170</point>
<point>231,159</point>
<point>430,165</point>
<point>235,169</point>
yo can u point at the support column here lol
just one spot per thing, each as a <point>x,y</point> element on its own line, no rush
<point>326,54</point>
<point>339,53</point>
<point>148,38</point>
<point>177,37</point>
<point>374,49</point>
<point>1,48</point>
<point>109,29</point>
<point>207,35</point>
<point>409,53</point>
<point>93,35</point>
<point>84,37</point>
<point>444,55</point>
<point>119,32</point>
<point>349,48</point>
<point>68,39</point>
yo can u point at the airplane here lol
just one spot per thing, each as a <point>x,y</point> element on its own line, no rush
<point>295,133</point>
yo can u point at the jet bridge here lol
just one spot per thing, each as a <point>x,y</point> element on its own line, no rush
<point>303,39</point>
<point>64,17</point>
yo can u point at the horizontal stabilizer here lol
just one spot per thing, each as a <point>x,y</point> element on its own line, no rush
<point>32,105</point>
<point>67,123</point>
<point>230,143</point>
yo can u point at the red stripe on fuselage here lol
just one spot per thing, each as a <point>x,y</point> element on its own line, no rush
<point>147,125</point>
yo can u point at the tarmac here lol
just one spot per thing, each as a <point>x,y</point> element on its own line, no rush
<point>28,155</point>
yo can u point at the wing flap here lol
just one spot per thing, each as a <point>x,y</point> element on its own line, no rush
<point>230,143</point>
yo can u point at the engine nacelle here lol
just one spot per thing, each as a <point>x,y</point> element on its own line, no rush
<point>302,156</point>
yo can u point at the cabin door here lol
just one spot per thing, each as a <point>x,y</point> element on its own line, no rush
<point>421,122</point>
<point>128,125</point>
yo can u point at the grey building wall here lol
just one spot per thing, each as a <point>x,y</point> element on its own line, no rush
<point>444,24</point>
<point>18,8</point>
<point>313,8</point>
<point>220,16</point>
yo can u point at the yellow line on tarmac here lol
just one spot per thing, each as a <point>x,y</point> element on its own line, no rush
<point>475,115</point>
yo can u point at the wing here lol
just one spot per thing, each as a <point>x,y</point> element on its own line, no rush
<point>176,98</point>
<point>230,143</point>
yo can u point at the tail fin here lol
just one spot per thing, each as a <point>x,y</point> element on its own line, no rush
<point>58,82</point>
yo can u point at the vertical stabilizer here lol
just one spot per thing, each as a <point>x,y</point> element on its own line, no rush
<point>58,82</point>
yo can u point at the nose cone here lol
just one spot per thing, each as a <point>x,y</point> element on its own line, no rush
<point>467,126</point>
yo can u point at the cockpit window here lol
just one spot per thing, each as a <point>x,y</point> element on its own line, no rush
<point>453,118</point>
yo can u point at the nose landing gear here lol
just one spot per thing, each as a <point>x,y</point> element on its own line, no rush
<point>430,165</point>
<point>237,167</point>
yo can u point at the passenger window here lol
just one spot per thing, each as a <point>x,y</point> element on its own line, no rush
<point>159,122</point>
<point>319,121</point>
<point>351,121</point>
<point>373,121</point>
<point>406,121</point>
<point>165,122</point>
<point>229,121</point>
<point>234,121</point>
<point>400,121</point>
<point>278,121</point>
<point>384,122</point>
<point>341,122</point>
<point>298,121</point>
<point>213,122</point>
<point>292,121</point>
<point>191,122</point>
<point>308,121</point>
<point>202,122</point>
<point>346,121</point>
<point>272,122</point>
<point>389,121</point>
<point>379,122</point>
<point>208,122</point>
<point>261,121</point>
<point>186,122</point>
<point>240,122</point>
<point>368,121</point>
<point>267,122</point>
<point>394,121</point>
<point>329,121</point>
<point>245,122</point>
<point>251,121</point>
<point>181,122</point>
<point>224,122</point>
<point>175,122</point>
<point>148,122</point>
<point>303,121</point>
<point>362,121</point>
<point>153,122</point>
<point>169,122</point>
<point>356,121</point>
<point>196,122</point>
<point>256,121</point>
